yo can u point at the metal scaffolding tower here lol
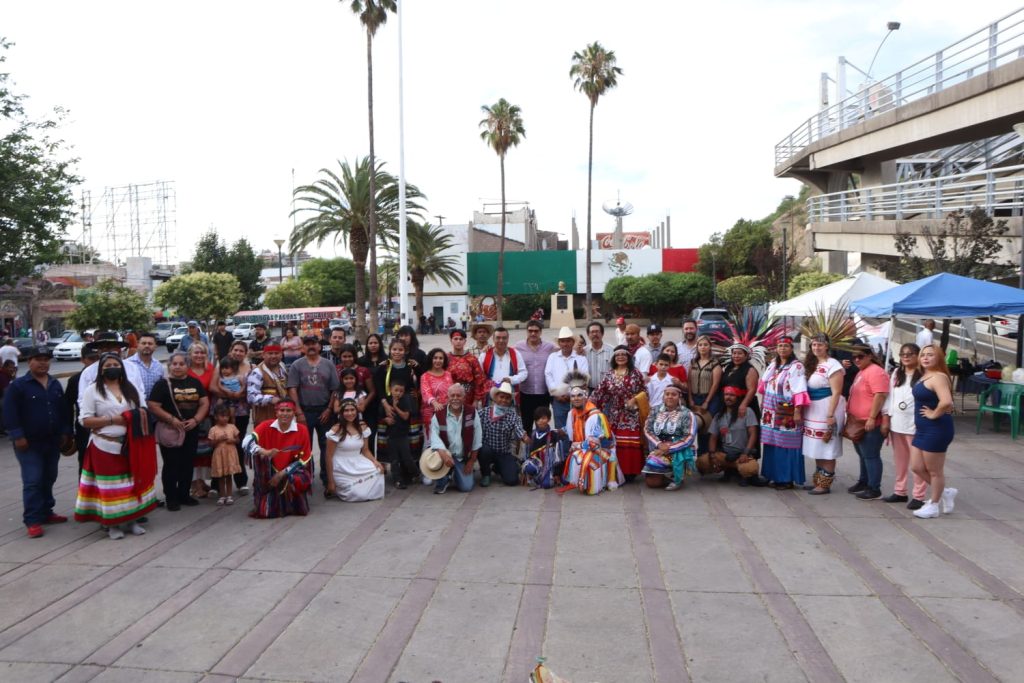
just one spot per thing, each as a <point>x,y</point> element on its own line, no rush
<point>136,220</point>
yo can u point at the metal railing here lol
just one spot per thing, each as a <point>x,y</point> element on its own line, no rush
<point>930,198</point>
<point>997,44</point>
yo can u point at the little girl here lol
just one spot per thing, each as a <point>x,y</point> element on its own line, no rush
<point>229,380</point>
<point>223,436</point>
<point>349,390</point>
<point>543,464</point>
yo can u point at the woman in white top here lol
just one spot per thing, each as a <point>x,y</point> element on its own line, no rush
<point>106,489</point>
<point>898,425</point>
<point>823,418</point>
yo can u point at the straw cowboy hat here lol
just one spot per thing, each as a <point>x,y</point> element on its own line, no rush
<point>475,326</point>
<point>566,333</point>
<point>432,466</point>
<point>505,388</point>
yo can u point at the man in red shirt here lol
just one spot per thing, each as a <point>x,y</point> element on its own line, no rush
<point>280,457</point>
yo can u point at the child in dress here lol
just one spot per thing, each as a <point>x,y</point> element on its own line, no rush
<point>229,380</point>
<point>544,461</point>
<point>223,437</point>
<point>349,390</point>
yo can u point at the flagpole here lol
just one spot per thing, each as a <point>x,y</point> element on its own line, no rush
<point>403,238</point>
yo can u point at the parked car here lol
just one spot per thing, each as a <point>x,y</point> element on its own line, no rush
<point>243,331</point>
<point>163,330</point>
<point>70,348</point>
<point>1003,327</point>
<point>23,344</point>
<point>173,340</point>
<point>344,323</point>
<point>711,320</point>
<point>54,342</point>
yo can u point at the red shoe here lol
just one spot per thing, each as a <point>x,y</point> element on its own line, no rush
<point>35,530</point>
<point>55,519</point>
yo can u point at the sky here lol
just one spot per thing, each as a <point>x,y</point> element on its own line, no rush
<point>226,98</point>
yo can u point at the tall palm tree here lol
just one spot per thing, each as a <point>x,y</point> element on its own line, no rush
<point>427,244</point>
<point>337,207</point>
<point>372,14</point>
<point>503,129</point>
<point>595,74</point>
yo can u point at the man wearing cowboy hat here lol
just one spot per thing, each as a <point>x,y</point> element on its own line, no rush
<point>37,420</point>
<point>481,333</point>
<point>107,341</point>
<point>559,365</point>
<point>501,425</point>
<point>456,437</point>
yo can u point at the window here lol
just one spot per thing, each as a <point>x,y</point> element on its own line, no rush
<point>453,307</point>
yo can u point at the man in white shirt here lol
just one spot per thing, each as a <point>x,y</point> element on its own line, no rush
<point>9,352</point>
<point>599,354</point>
<point>925,336</point>
<point>620,331</point>
<point>558,366</point>
<point>107,342</point>
<point>635,344</point>
<point>502,364</point>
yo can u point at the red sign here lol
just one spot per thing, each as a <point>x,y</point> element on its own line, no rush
<point>630,240</point>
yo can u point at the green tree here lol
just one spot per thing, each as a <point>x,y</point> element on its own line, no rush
<point>245,264</point>
<point>110,306</point>
<point>203,296</point>
<point>211,255</point>
<point>36,181</point>
<point>338,208</point>
<point>616,290</point>
<point>688,290</point>
<point>334,277</point>
<point>503,130</point>
<point>294,294</point>
<point>742,290</point>
<point>521,306</point>
<point>805,282</point>
<point>372,14</point>
<point>594,73</point>
<point>734,249</point>
<point>427,258</point>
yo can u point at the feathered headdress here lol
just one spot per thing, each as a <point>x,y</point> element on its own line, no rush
<point>834,322</point>
<point>574,379</point>
<point>754,332</point>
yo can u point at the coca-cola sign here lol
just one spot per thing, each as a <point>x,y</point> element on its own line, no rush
<point>630,240</point>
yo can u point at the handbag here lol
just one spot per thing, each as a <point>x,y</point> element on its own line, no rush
<point>166,435</point>
<point>854,428</point>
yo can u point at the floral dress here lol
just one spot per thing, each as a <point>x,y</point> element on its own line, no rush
<point>432,388</point>
<point>784,389</point>
<point>611,397</point>
<point>466,370</point>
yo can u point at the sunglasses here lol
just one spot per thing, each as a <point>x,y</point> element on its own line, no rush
<point>908,354</point>
<point>858,356</point>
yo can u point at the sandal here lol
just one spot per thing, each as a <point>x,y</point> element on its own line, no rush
<point>229,500</point>
<point>221,502</point>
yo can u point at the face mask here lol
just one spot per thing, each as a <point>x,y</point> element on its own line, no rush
<point>500,410</point>
<point>111,373</point>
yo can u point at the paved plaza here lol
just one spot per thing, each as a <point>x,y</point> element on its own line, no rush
<point>712,583</point>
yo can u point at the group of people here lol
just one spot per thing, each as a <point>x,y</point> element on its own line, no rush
<point>574,414</point>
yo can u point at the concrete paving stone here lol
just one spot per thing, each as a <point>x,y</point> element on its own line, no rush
<point>397,549</point>
<point>990,630</point>
<point>329,639</point>
<point>514,498</point>
<point>693,556</point>
<point>906,561</point>
<point>127,675</point>
<point>8,566</point>
<point>715,627</point>
<point>478,617</point>
<point>42,586</point>
<point>868,643</point>
<point>606,501</point>
<point>612,566</point>
<point>306,543</point>
<point>197,637</point>
<point>800,560</point>
<point>753,502</point>
<point>21,548</point>
<point>31,672</point>
<point>495,548</point>
<point>982,546</point>
<point>597,634</point>
<point>684,502</point>
<point>233,530</point>
<point>75,634</point>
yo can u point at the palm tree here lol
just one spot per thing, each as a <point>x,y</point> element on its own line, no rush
<point>427,245</point>
<point>372,14</point>
<point>337,208</point>
<point>595,74</point>
<point>503,129</point>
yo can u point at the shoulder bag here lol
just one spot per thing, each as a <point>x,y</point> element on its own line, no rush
<point>166,435</point>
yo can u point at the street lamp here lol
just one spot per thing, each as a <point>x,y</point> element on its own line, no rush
<point>892,26</point>
<point>280,271</point>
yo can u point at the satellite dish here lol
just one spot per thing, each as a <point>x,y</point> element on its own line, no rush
<point>618,209</point>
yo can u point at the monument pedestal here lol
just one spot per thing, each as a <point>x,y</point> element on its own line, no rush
<point>561,312</point>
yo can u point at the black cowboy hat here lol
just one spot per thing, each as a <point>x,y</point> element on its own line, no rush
<point>104,338</point>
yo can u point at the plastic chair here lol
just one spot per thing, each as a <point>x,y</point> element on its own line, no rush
<point>1009,397</point>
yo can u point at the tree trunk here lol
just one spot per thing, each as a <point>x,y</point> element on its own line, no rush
<point>372,218</point>
<point>357,246</point>
<point>417,288</point>
<point>590,182</point>
<point>501,247</point>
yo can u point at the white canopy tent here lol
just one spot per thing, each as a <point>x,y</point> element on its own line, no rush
<point>842,291</point>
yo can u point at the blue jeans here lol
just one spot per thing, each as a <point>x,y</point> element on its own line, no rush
<point>870,451</point>
<point>38,473</point>
<point>314,426</point>
<point>463,482</point>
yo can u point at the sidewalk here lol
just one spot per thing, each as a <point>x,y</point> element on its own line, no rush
<point>710,583</point>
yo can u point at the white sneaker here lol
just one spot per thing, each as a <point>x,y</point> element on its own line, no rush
<point>115,533</point>
<point>928,511</point>
<point>137,529</point>
<point>612,485</point>
<point>426,481</point>
<point>672,486</point>
<point>948,497</point>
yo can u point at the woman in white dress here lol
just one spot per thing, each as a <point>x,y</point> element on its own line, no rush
<point>823,418</point>
<point>357,475</point>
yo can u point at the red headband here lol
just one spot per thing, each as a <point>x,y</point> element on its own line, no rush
<point>273,347</point>
<point>285,402</point>
<point>786,340</point>
<point>734,391</point>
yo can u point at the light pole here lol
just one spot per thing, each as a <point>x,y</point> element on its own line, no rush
<point>714,280</point>
<point>892,26</point>
<point>280,270</point>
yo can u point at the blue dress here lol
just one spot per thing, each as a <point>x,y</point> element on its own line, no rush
<point>933,436</point>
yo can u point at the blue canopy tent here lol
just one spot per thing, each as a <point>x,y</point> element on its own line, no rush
<point>944,296</point>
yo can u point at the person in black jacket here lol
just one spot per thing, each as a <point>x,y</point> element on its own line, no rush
<point>89,356</point>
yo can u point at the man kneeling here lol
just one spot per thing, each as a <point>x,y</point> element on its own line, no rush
<point>456,438</point>
<point>279,454</point>
<point>501,425</point>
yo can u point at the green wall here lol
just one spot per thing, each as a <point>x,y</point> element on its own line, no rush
<point>526,272</point>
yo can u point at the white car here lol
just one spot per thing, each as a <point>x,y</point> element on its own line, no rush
<point>173,340</point>
<point>70,348</point>
<point>244,331</point>
<point>163,331</point>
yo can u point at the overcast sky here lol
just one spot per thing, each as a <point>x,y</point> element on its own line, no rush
<point>227,97</point>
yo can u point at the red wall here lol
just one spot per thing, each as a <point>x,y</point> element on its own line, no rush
<point>679,260</point>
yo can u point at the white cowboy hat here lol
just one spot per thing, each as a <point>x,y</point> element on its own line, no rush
<point>432,466</point>
<point>505,388</point>
<point>566,333</point>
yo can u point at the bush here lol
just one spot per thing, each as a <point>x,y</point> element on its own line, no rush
<point>805,282</point>
<point>659,296</point>
<point>742,290</point>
